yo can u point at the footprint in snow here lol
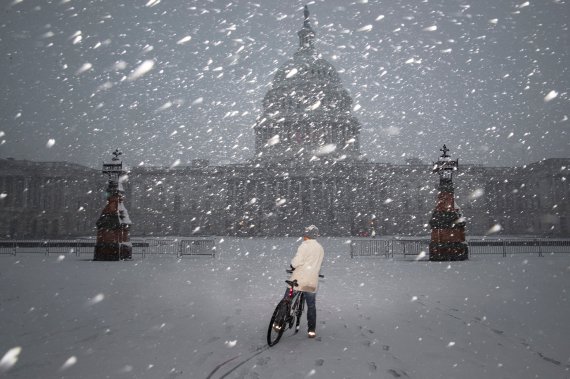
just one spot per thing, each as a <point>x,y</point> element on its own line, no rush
<point>397,374</point>
<point>554,361</point>
<point>175,373</point>
<point>213,339</point>
<point>262,361</point>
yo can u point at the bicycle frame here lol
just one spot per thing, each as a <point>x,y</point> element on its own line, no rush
<point>296,299</point>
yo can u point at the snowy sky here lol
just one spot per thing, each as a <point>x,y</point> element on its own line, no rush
<point>178,80</point>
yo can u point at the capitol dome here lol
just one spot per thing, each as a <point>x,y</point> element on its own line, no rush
<point>303,66</point>
<point>307,113</point>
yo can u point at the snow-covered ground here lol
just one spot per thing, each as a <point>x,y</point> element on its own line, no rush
<point>198,317</point>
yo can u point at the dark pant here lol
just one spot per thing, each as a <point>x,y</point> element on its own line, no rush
<point>311,299</point>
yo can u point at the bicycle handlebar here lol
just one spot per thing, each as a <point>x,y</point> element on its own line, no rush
<point>291,271</point>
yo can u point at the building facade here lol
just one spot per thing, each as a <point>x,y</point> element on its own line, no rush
<point>307,169</point>
<point>58,200</point>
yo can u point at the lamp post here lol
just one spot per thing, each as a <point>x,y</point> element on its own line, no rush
<point>114,223</point>
<point>447,224</point>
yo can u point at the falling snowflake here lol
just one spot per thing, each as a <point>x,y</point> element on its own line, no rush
<point>273,140</point>
<point>551,96</point>
<point>314,106</point>
<point>477,193</point>
<point>141,70</point>
<point>152,3</point>
<point>164,106</point>
<point>326,149</point>
<point>97,299</point>
<point>77,37</point>
<point>85,67</point>
<point>184,40</point>
<point>366,28</point>
<point>68,363</point>
<point>495,229</point>
<point>10,358</point>
<point>291,73</point>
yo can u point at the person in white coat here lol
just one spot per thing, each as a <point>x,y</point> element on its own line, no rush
<point>307,265</point>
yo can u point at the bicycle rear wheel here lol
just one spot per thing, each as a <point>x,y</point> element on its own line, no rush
<point>277,324</point>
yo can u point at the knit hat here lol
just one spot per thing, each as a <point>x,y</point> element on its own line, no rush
<point>311,232</point>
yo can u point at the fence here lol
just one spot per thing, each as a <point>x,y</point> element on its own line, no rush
<point>476,246</point>
<point>539,246</point>
<point>202,246</point>
<point>359,247</point>
<point>46,246</point>
<point>371,247</point>
<point>143,247</point>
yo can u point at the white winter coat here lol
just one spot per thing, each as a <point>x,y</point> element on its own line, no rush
<point>307,263</point>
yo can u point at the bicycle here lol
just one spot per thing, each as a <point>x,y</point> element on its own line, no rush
<point>287,313</point>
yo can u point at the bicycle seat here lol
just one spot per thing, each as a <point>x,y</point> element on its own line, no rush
<point>292,283</point>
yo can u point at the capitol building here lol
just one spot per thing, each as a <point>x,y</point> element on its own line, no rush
<point>307,169</point>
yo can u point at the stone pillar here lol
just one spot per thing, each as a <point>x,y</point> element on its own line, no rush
<point>447,224</point>
<point>113,225</point>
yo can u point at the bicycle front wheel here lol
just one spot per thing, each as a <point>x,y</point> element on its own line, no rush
<point>277,324</point>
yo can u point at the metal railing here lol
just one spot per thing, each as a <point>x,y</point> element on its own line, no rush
<point>371,247</point>
<point>142,247</point>
<point>46,246</point>
<point>197,246</point>
<point>362,247</point>
<point>504,246</point>
<point>359,247</point>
